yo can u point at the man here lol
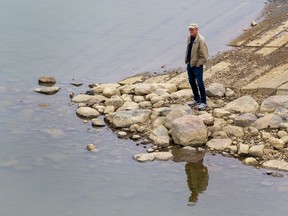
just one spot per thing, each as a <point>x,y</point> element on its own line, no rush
<point>196,56</point>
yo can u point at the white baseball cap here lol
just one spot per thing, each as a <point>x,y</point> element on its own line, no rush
<point>192,26</point>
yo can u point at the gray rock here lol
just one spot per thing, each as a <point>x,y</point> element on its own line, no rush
<point>245,120</point>
<point>272,103</point>
<point>126,89</point>
<point>229,93</point>
<point>189,130</point>
<point>87,112</point>
<point>256,151</point>
<point>145,104</point>
<point>46,80</point>
<point>47,90</point>
<point>219,144</point>
<point>128,118</point>
<point>215,90</point>
<point>282,112</point>
<point>244,104</point>
<point>160,136</point>
<point>270,120</point>
<point>144,157</point>
<point>98,122</point>
<point>252,131</point>
<point>114,101</point>
<point>276,164</point>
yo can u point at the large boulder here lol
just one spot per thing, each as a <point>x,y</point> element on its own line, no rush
<point>129,105</point>
<point>245,104</point>
<point>171,87</point>
<point>143,89</point>
<point>270,120</point>
<point>160,136</point>
<point>270,104</point>
<point>173,114</point>
<point>110,91</point>
<point>189,130</point>
<point>115,101</point>
<point>84,98</point>
<point>182,94</point>
<point>99,88</point>
<point>127,118</point>
<point>234,130</point>
<point>257,151</point>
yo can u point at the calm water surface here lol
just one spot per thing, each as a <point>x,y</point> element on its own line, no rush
<point>44,167</point>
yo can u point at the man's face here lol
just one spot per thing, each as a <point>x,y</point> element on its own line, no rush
<point>193,32</point>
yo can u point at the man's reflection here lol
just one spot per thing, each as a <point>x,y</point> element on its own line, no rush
<point>197,179</point>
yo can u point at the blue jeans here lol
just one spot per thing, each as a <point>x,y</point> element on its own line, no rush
<point>195,74</point>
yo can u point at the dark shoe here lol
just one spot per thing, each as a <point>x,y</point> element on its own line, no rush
<point>193,103</point>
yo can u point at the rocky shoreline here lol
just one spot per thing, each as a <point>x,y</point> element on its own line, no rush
<point>153,108</point>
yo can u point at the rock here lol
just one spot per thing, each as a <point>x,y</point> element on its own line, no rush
<point>138,98</point>
<point>285,139</point>
<point>182,94</point>
<point>126,89</point>
<point>250,161</point>
<point>84,98</point>
<point>234,131</point>
<point>276,143</point>
<point>276,164</point>
<point>114,101</point>
<point>189,130</point>
<point>171,87</point>
<point>90,147</point>
<point>145,104</point>
<point>207,119</point>
<point>272,103</point>
<point>136,137</point>
<point>109,109</point>
<point>252,131</point>
<point>215,90</point>
<point>128,118</point>
<point>256,151</point>
<point>159,121</point>
<point>174,114</point>
<point>253,24</point>
<point>245,120</point>
<point>156,99</point>
<point>128,106</point>
<point>98,123</point>
<point>229,93</point>
<point>159,104</point>
<point>219,144</point>
<point>220,113</point>
<point>143,89</point>
<point>281,134</point>
<point>160,136</point>
<point>144,157</point>
<point>47,90</point>
<point>268,121</point>
<point>220,135</point>
<point>265,135</point>
<point>121,134</point>
<point>110,91</point>
<point>44,80</point>
<point>243,149</point>
<point>98,89</point>
<point>87,112</point>
<point>126,97</point>
<point>282,112</point>
<point>163,93</point>
<point>244,104</point>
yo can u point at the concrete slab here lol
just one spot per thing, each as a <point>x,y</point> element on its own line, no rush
<point>279,41</point>
<point>266,50</point>
<point>243,41</point>
<point>268,35</point>
<point>270,82</point>
<point>283,89</point>
<point>221,66</point>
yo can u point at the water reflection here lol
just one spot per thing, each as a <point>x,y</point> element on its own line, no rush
<point>197,179</point>
<point>196,172</point>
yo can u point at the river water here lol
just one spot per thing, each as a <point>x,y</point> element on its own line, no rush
<point>44,166</point>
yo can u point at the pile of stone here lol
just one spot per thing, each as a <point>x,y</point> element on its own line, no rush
<point>238,127</point>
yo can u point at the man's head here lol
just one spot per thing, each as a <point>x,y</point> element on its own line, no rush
<point>193,29</point>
